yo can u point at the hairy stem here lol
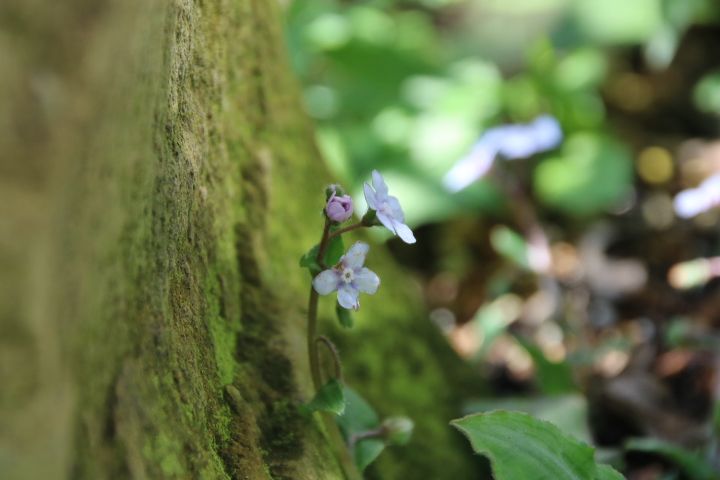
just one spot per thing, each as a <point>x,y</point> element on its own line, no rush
<point>311,335</point>
<point>312,314</point>
<point>322,339</point>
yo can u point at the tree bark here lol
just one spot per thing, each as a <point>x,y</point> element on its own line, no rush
<point>158,186</point>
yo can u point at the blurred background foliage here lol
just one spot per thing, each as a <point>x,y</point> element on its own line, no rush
<point>569,273</point>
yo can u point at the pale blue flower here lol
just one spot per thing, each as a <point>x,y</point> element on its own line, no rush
<point>387,208</point>
<point>509,141</point>
<point>348,277</point>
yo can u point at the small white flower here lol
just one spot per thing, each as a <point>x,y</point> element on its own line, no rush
<point>387,208</point>
<point>348,277</point>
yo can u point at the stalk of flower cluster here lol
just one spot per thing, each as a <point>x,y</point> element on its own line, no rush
<point>349,228</point>
<point>336,440</point>
<point>312,314</point>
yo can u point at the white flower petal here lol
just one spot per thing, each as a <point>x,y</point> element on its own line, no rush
<point>326,281</point>
<point>366,281</point>
<point>370,196</point>
<point>396,209</point>
<point>379,184</point>
<point>355,256</point>
<point>348,297</point>
<point>404,232</point>
<point>386,220</point>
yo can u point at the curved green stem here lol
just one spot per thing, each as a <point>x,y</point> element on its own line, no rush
<point>323,340</point>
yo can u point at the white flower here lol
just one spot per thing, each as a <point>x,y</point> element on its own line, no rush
<point>348,277</point>
<point>387,208</point>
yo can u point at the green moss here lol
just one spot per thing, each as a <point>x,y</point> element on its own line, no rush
<point>281,429</point>
<point>172,270</point>
<point>167,452</point>
<point>222,334</point>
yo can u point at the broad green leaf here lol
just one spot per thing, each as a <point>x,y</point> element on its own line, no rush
<point>360,417</point>
<point>330,398</point>
<point>691,463</point>
<point>567,412</point>
<point>366,451</point>
<point>520,446</point>
<point>344,316</point>
<point>606,472</point>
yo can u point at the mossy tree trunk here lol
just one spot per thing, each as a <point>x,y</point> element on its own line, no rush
<point>158,186</point>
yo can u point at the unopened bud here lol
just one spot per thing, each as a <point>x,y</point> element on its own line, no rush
<point>397,430</point>
<point>339,208</point>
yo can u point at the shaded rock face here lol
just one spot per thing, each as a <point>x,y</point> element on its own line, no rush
<point>151,308</point>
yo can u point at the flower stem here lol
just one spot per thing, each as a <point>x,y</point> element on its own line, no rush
<point>349,228</point>
<point>322,339</point>
<point>374,433</point>
<point>337,443</point>
<point>311,335</point>
<point>312,314</point>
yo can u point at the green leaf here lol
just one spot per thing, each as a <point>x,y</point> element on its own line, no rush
<point>360,417</point>
<point>520,446</point>
<point>309,261</point>
<point>330,398</point>
<point>366,451</point>
<point>335,250</point>
<point>691,463</point>
<point>344,316</point>
<point>606,472</point>
<point>568,412</point>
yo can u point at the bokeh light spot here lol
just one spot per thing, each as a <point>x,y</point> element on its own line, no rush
<point>655,165</point>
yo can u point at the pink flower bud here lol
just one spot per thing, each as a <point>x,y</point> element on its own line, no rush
<point>339,207</point>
